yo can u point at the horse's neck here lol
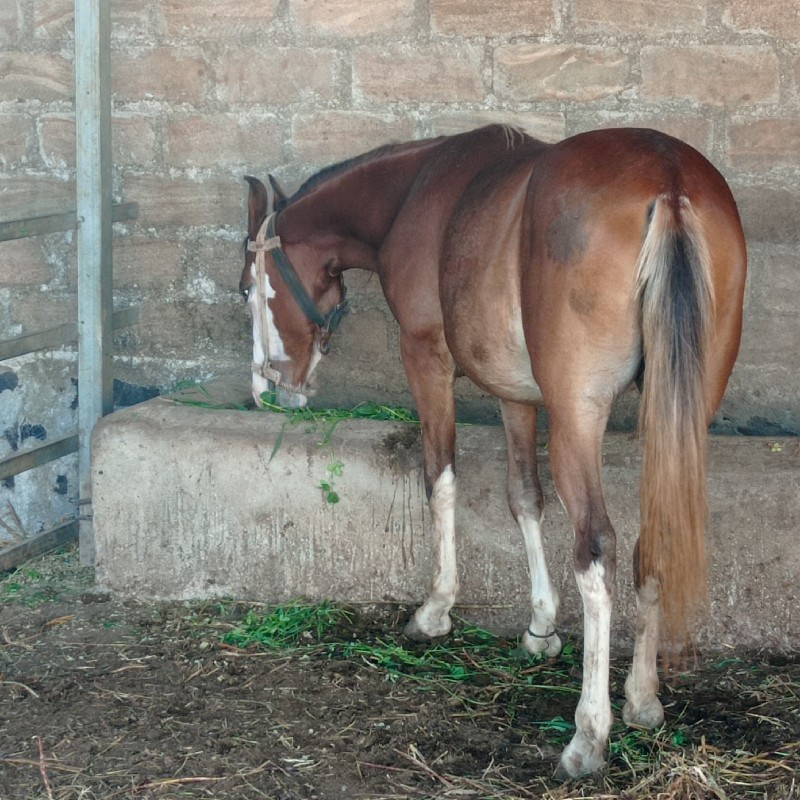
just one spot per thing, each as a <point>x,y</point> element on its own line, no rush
<point>366,198</point>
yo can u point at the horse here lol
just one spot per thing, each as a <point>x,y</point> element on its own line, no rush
<point>555,276</point>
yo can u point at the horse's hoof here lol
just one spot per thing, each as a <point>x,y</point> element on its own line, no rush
<point>562,774</point>
<point>579,760</point>
<point>551,646</point>
<point>425,631</point>
<point>649,715</point>
<point>413,631</point>
<point>569,770</point>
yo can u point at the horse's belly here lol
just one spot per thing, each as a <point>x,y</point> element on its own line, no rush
<point>497,359</point>
<point>512,384</point>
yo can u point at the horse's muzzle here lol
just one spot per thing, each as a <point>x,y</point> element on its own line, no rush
<point>284,396</point>
<point>289,398</point>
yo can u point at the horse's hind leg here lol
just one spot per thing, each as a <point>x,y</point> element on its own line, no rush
<point>431,373</point>
<point>643,709</point>
<point>526,504</point>
<point>575,455</point>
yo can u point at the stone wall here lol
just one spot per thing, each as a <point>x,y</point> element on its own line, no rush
<point>207,92</point>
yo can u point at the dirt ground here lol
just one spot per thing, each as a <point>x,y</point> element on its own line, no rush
<point>104,699</point>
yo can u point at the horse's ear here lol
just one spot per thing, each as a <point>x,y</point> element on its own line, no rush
<point>280,198</point>
<point>257,205</point>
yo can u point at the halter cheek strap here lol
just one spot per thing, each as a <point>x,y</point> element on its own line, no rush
<point>267,241</point>
<point>260,246</point>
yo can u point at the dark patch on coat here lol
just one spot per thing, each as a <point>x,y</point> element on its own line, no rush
<point>566,235</point>
<point>479,353</point>
<point>125,394</point>
<point>582,301</point>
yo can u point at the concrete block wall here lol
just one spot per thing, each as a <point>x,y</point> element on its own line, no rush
<point>207,92</point>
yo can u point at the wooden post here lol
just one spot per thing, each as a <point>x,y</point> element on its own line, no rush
<point>93,167</point>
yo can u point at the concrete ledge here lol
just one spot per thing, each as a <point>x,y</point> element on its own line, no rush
<point>191,502</point>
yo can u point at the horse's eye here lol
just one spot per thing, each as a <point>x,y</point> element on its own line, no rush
<point>246,293</point>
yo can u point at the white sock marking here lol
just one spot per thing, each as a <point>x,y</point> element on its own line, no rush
<point>544,597</point>
<point>586,752</point>
<point>433,617</point>
<point>641,686</point>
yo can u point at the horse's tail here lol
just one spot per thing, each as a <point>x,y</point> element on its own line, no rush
<point>677,305</point>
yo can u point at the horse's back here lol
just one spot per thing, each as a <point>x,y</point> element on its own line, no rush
<point>412,253</point>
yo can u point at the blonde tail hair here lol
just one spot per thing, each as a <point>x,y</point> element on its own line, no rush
<point>675,292</point>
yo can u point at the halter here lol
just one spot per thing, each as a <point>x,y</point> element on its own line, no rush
<point>268,241</point>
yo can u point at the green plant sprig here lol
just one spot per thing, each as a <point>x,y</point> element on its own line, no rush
<point>329,418</point>
<point>291,625</point>
<point>474,655</point>
<point>365,410</point>
<point>334,470</point>
<point>326,418</point>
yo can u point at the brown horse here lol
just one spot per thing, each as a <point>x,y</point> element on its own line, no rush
<point>550,275</point>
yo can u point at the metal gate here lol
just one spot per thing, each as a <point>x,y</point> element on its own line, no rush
<point>93,329</point>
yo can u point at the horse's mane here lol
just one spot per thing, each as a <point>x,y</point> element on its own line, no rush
<point>514,136</point>
<point>334,169</point>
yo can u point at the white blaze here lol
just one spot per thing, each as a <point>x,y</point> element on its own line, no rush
<point>276,346</point>
<point>262,315</point>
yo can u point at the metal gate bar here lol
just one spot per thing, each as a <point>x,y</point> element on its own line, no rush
<point>60,336</point>
<point>93,171</point>
<point>56,223</point>
<point>93,220</point>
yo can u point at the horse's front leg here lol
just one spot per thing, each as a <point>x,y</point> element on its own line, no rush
<point>431,373</point>
<point>432,618</point>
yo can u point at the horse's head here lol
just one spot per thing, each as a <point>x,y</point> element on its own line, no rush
<point>296,297</point>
